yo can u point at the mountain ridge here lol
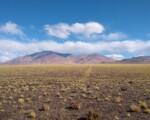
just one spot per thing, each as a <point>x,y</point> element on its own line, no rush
<point>138,59</point>
<point>51,57</point>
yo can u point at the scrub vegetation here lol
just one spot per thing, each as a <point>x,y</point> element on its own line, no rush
<point>75,92</point>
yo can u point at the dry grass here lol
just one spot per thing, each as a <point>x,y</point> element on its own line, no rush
<point>135,108</point>
<point>32,114</point>
<point>45,91</point>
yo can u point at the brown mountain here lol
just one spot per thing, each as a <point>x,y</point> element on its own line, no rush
<point>50,57</point>
<point>140,59</point>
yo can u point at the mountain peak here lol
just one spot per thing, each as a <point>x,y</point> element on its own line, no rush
<point>47,53</point>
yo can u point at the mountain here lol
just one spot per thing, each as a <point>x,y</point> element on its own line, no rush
<point>140,59</point>
<point>50,57</point>
<point>92,58</point>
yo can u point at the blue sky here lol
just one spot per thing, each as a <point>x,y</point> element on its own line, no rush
<point>115,28</point>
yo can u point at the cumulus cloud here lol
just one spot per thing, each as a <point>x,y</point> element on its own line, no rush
<point>10,49</point>
<point>87,29</point>
<point>11,28</point>
<point>4,58</point>
<point>60,30</point>
<point>116,56</point>
<point>114,36</point>
<point>64,30</point>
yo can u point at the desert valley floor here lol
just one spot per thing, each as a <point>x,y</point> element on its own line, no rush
<point>75,92</point>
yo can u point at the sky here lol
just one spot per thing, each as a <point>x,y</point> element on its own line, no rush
<point>118,29</point>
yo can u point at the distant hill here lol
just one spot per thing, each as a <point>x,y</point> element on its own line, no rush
<point>50,57</point>
<point>140,59</point>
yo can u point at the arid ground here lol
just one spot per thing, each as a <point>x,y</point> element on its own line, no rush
<point>75,92</point>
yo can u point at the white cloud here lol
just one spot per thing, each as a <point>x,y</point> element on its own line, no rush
<point>10,49</point>
<point>115,56</point>
<point>11,28</point>
<point>87,29</point>
<point>113,36</point>
<point>4,58</point>
<point>64,30</point>
<point>60,30</point>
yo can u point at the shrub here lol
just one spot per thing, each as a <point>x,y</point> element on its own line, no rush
<point>76,106</point>
<point>143,104</point>
<point>147,110</point>
<point>21,100</point>
<point>2,110</point>
<point>107,98</point>
<point>116,118</point>
<point>118,99</point>
<point>135,108</point>
<point>92,116</point>
<point>44,108</point>
<point>32,114</point>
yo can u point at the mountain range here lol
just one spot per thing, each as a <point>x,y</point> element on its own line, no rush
<point>136,60</point>
<point>51,57</point>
